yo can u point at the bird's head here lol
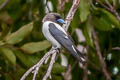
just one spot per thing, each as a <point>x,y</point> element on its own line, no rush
<point>54,17</point>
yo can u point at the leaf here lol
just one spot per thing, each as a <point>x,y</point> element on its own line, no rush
<point>111,18</point>
<point>1,43</point>
<point>19,35</point>
<point>87,33</point>
<point>35,46</point>
<point>26,60</point>
<point>104,20</point>
<point>116,3</point>
<point>84,10</point>
<point>101,23</point>
<point>75,22</point>
<point>9,55</point>
<point>5,30</point>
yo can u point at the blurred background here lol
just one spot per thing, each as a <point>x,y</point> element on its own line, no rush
<point>22,43</point>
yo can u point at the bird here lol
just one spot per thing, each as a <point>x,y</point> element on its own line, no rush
<point>58,37</point>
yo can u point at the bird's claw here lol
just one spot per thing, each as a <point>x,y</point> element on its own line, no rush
<point>55,48</point>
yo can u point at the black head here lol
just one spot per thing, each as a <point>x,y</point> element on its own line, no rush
<point>54,17</point>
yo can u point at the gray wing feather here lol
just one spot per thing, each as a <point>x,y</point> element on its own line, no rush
<point>65,42</point>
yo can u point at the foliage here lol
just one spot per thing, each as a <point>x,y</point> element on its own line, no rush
<point>22,43</point>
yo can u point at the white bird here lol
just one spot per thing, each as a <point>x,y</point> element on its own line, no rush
<point>58,37</point>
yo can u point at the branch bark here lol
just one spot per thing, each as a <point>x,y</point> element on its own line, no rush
<point>36,67</point>
<point>103,64</point>
<point>48,74</point>
<point>67,74</point>
<point>3,5</point>
<point>85,76</point>
<point>71,14</point>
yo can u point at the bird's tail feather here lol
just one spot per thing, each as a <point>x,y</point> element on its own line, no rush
<point>77,54</point>
<point>81,57</point>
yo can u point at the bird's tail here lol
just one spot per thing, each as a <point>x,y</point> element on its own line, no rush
<point>77,54</point>
<point>81,57</point>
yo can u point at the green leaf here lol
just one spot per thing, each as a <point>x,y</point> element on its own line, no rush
<point>116,3</point>
<point>9,55</point>
<point>84,9</point>
<point>75,22</point>
<point>19,35</point>
<point>26,60</point>
<point>104,20</point>
<point>111,18</point>
<point>5,30</point>
<point>35,46</point>
<point>1,43</point>
<point>101,23</point>
<point>87,33</point>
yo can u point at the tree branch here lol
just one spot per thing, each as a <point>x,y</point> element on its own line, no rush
<point>85,76</point>
<point>116,48</point>
<point>71,14</point>
<point>36,67</point>
<point>3,5</point>
<point>111,8</point>
<point>48,74</point>
<point>103,64</point>
<point>52,52</point>
<point>67,74</point>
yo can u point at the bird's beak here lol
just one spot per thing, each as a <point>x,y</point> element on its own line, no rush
<point>61,21</point>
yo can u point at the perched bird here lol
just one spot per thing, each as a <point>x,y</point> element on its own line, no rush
<point>58,37</point>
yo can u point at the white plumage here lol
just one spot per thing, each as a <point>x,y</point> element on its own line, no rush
<point>47,34</point>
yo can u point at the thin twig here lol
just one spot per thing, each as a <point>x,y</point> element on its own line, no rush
<point>45,3</point>
<point>71,14</point>
<point>3,5</point>
<point>103,64</point>
<point>38,64</point>
<point>50,67</point>
<point>103,5</point>
<point>61,5</point>
<point>85,77</point>
<point>108,3</point>
<point>47,6</point>
<point>116,48</point>
<point>114,2</point>
<point>110,8</point>
<point>67,74</point>
<point>113,10</point>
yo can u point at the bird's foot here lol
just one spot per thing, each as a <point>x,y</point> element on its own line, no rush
<point>56,48</point>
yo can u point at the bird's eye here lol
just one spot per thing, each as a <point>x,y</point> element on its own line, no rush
<point>61,21</point>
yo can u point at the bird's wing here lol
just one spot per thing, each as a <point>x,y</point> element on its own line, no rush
<point>65,41</point>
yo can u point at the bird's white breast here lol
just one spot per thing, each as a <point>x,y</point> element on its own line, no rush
<point>47,34</point>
